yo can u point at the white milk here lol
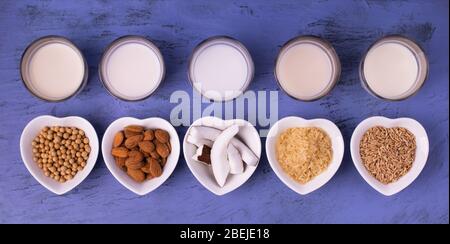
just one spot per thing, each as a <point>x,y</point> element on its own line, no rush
<point>55,71</point>
<point>304,71</point>
<point>391,70</point>
<point>133,71</point>
<point>220,71</point>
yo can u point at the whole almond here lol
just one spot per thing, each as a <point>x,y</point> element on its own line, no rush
<point>133,141</point>
<point>134,128</point>
<point>149,135</point>
<point>135,155</point>
<point>155,168</point>
<point>162,136</point>
<point>154,155</point>
<point>162,150</point>
<point>129,134</point>
<point>120,152</point>
<point>136,148</point>
<point>163,162</point>
<point>146,167</point>
<point>120,162</point>
<point>134,164</point>
<point>136,174</point>
<point>147,146</point>
<point>118,139</point>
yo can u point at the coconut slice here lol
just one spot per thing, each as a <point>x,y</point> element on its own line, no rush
<point>210,133</point>
<point>219,154</point>
<point>235,160</point>
<point>199,141</point>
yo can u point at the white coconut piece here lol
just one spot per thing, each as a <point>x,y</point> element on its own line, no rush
<point>235,160</point>
<point>210,133</point>
<point>199,141</point>
<point>204,132</point>
<point>219,155</point>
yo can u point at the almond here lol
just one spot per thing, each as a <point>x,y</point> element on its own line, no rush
<point>136,174</point>
<point>149,176</point>
<point>162,150</point>
<point>135,156</point>
<point>129,134</point>
<point>146,167</point>
<point>133,141</point>
<point>135,149</point>
<point>147,146</point>
<point>134,164</point>
<point>149,135</point>
<point>134,128</point>
<point>120,152</point>
<point>162,136</point>
<point>163,162</point>
<point>120,162</point>
<point>154,155</point>
<point>155,168</point>
<point>118,139</point>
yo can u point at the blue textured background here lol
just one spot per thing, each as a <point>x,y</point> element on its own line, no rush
<point>177,26</point>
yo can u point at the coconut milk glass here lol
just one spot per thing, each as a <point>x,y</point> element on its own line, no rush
<point>307,68</point>
<point>53,69</point>
<point>132,68</point>
<point>220,68</point>
<point>394,68</point>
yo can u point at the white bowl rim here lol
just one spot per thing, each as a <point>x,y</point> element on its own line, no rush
<point>323,178</point>
<point>167,172</point>
<point>188,160</point>
<point>422,151</point>
<point>93,155</point>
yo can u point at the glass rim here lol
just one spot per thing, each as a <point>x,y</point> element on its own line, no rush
<point>236,44</point>
<point>421,59</point>
<point>329,50</point>
<point>38,43</point>
<point>109,49</point>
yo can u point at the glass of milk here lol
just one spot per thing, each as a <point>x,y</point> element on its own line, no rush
<point>220,68</point>
<point>394,68</point>
<point>132,68</point>
<point>307,68</point>
<point>53,68</point>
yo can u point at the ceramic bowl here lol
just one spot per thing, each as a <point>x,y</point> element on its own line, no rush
<point>337,144</point>
<point>203,173</point>
<point>121,176</point>
<point>32,130</point>
<point>421,152</point>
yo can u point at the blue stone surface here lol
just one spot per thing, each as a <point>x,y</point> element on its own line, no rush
<point>263,26</point>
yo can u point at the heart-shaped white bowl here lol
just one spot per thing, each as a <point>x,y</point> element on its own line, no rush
<point>32,130</point>
<point>421,152</point>
<point>337,144</point>
<point>203,173</point>
<point>121,176</point>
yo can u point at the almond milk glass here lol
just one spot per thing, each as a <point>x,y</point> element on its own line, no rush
<point>132,68</point>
